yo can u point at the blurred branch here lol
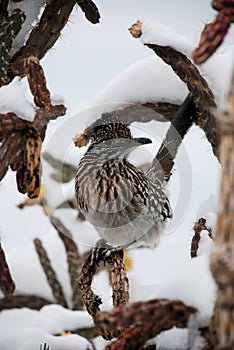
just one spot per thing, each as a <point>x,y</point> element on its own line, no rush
<point>3,9</point>
<point>50,274</point>
<point>198,227</point>
<point>7,285</point>
<point>65,171</point>
<point>74,260</point>
<point>214,33</point>
<point>90,10</point>
<point>222,256</point>
<point>21,301</point>
<point>145,320</point>
<point>181,122</point>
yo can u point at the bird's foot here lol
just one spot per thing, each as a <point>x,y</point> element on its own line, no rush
<point>103,251</point>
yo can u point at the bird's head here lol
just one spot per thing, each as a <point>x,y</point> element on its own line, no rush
<point>115,135</point>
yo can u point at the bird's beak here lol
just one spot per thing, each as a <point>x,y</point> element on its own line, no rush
<point>142,140</point>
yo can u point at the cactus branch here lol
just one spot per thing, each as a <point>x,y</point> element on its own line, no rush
<point>198,87</point>
<point>50,274</point>
<point>7,285</point>
<point>9,28</point>
<point>145,320</point>
<point>119,283</point>
<point>21,301</point>
<point>214,33</point>
<point>74,260</point>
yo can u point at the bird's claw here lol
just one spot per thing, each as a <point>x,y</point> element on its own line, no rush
<point>103,251</point>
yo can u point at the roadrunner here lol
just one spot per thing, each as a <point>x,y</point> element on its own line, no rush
<point>126,206</point>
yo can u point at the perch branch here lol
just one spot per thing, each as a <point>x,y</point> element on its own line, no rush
<point>119,283</point>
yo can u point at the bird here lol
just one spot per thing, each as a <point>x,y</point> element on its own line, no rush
<point>126,206</point>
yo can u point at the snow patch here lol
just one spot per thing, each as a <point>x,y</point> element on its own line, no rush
<point>13,99</point>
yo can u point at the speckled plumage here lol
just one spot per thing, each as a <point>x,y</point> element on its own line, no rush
<point>124,204</point>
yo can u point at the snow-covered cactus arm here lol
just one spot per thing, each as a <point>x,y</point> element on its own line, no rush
<point>175,50</point>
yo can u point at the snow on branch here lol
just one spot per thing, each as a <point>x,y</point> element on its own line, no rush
<point>140,112</point>
<point>21,139</point>
<point>214,33</point>
<point>197,85</point>
<point>143,320</point>
<point>53,19</point>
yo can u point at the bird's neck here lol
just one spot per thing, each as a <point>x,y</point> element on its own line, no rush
<point>104,151</point>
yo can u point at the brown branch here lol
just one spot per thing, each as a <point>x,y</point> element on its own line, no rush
<point>119,283</point>
<point>44,116</point>
<point>198,87</point>
<point>10,123</point>
<point>220,4</point>
<point>7,285</point>
<point>222,257</point>
<point>44,35</point>
<point>21,146</point>
<point>3,9</point>
<point>37,82</point>
<point>74,260</point>
<point>145,112</point>
<point>90,10</point>
<point>33,151</point>
<point>21,301</point>
<point>9,28</point>
<point>48,30</point>
<point>198,227</point>
<point>214,33</point>
<point>50,274</point>
<point>8,147</point>
<point>145,319</point>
